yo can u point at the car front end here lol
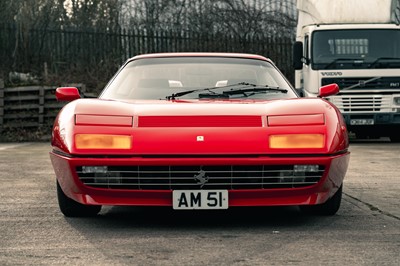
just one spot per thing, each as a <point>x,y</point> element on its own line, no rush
<point>198,131</point>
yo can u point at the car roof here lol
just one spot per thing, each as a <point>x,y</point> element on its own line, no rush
<point>201,54</point>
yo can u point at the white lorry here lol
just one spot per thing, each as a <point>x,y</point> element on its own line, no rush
<point>356,44</point>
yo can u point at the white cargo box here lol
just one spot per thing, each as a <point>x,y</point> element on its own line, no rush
<point>347,11</point>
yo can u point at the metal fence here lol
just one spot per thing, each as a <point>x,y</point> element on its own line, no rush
<point>101,53</point>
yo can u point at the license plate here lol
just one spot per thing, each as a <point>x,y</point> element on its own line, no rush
<point>200,199</point>
<point>361,122</point>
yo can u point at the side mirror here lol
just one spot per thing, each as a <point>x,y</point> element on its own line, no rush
<point>67,94</point>
<point>298,55</point>
<point>328,90</point>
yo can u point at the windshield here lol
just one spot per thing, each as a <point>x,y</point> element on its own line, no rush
<point>159,78</point>
<point>355,49</point>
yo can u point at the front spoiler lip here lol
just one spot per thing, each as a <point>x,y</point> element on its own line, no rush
<point>237,198</point>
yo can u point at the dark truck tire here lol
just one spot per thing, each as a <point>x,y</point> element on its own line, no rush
<point>395,138</point>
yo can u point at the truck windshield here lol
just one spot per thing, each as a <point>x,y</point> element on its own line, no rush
<point>355,49</point>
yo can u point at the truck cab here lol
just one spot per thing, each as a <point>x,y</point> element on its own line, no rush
<point>362,58</point>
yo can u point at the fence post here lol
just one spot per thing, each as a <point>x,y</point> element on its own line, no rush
<point>1,101</point>
<point>41,105</point>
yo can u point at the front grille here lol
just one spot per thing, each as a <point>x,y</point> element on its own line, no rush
<point>362,103</point>
<point>364,94</point>
<point>188,177</point>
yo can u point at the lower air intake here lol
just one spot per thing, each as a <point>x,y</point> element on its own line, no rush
<point>201,177</point>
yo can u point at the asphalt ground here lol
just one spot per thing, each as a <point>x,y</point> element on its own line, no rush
<point>365,231</point>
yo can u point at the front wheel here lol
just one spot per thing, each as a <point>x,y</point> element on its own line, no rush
<point>330,207</point>
<point>71,208</point>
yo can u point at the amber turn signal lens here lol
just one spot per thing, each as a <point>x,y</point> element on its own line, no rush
<point>297,141</point>
<point>99,141</point>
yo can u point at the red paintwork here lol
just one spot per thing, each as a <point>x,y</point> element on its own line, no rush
<point>238,55</point>
<point>200,121</point>
<point>182,140</point>
<point>247,139</point>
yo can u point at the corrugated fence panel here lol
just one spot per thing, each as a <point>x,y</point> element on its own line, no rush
<point>31,106</point>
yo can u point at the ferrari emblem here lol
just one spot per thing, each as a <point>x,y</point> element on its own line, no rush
<point>200,138</point>
<point>201,178</point>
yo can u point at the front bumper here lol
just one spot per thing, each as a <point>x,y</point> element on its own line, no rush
<point>378,119</point>
<point>378,123</point>
<point>335,167</point>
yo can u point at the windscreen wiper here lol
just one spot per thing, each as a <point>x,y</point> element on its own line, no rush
<point>182,93</point>
<point>246,92</point>
<point>254,89</point>
<point>380,59</point>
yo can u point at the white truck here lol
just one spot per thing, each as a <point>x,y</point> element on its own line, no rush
<point>356,44</point>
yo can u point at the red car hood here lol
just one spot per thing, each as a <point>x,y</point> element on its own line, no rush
<point>198,127</point>
<point>202,107</point>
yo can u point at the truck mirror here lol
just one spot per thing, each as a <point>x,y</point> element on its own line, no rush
<point>298,55</point>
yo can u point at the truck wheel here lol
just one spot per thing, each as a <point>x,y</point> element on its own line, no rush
<point>71,208</point>
<point>361,136</point>
<point>395,137</point>
<point>330,207</point>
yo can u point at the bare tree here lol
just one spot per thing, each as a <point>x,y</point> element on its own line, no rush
<point>235,17</point>
<point>94,14</point>
<point>248,18</point>
<point>154,15</point>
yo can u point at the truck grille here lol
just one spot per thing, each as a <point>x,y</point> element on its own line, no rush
<point>362,103</point>
<point>364,83</point>
<point>188,177</point>
<point>362,95</point>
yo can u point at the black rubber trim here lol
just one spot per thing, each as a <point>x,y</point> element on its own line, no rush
<point>61,153</point>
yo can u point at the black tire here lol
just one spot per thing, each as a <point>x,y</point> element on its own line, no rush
<point>330,207</point>
<point>360,135</point>
<point>71,208</point>
<point>395,138</point>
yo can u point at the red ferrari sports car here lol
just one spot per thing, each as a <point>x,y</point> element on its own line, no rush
<point>199,131</point>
